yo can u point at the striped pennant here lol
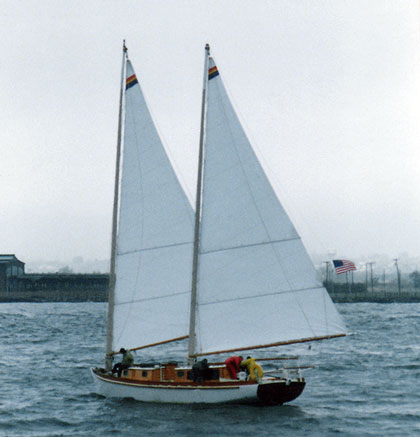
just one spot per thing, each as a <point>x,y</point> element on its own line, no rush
<point>213,72</point>
<point>130,81</point>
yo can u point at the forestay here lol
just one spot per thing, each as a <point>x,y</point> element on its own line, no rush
<point>256,282</point>
<point>155,234</point>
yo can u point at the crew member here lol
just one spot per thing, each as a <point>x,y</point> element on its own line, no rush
<point>126,362</point>
<point>252,367</point>
<point>233,364</point>
<point>200,370</point>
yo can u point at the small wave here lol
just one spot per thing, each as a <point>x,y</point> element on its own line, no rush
<point>43,421</point>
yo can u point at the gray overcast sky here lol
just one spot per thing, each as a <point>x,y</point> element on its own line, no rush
<point>328,91</point>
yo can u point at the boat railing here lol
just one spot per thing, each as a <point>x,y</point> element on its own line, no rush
<point>170,371</point>
<point>288,372</point>
<point>290,369</point>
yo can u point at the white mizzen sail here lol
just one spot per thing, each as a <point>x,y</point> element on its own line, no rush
<point>256,283</point>
<point>155,235</point>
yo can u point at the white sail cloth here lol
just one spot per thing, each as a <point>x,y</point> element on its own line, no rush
<point>256,282</point>
<point>155,234</point>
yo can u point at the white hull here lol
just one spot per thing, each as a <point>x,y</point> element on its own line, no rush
<point>194,394</point>
<point>175,394</point>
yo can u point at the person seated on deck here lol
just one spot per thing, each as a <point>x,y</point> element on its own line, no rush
<point>126,362</point>
<point>233,364</point>
<point>200,370</point>
<point>252,367</point>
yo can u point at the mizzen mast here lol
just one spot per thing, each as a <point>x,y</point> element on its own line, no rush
<point>193,305</point>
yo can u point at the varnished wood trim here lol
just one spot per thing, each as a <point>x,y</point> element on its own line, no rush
<point>280,343</point>
<point>262,359</point>
<point>175,385</point>
<point>154,344</point>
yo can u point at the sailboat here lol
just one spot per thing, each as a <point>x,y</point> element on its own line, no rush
<point>231,278</point>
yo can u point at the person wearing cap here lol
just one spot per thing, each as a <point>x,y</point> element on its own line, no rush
<point>200,371</point>
<point>126,362</point>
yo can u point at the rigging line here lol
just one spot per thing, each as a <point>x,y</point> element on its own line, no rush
<point>172,162</point>
<point>148,249</point>
<point>297,297</point>
<point>249,245</point>
<point>273,248</point>
<point>221,104</point>
<point>129,302</point>
<point>260,295</point>
<point>221,88</point>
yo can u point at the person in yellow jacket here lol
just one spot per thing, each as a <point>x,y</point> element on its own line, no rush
<point>255,370</point>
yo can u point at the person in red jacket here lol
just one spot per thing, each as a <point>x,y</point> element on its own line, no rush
<point>233,366</point>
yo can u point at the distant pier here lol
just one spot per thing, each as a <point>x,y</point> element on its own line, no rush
<point>17,286</point>
<point>72,287</point>
<point>56,287</point>
<point>376,297</point>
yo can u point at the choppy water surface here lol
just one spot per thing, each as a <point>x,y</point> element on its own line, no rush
<point>365,384</point>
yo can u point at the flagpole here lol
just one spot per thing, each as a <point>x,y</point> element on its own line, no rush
<point>398,275</point>
<point>366,279</point>
<point>326,274</point>
<point>371,275</point>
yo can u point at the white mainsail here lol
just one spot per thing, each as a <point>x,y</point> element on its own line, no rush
<point>256,283</point>
<point>155,235</point>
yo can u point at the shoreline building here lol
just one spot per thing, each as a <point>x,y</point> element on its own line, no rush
<point>17,286</point>
<point>10,267</point>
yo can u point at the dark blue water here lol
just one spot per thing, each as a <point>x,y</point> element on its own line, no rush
<point>366,384</point>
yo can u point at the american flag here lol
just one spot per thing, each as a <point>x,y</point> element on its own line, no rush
<point>343,266</point>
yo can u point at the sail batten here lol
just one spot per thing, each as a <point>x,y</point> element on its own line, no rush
<point>259,295</point>
<point>249,245</point>
<point>152,298</point>
<point>147,249</point>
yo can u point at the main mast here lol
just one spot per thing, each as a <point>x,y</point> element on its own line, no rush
<point>193,306</point>
<point>111,293</point>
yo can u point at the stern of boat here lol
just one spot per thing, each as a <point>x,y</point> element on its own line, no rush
<point>280,391</point>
